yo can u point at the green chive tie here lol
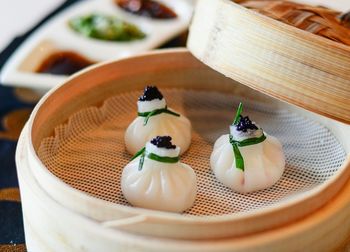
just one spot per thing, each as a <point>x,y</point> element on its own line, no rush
<point>147,115</point>
<point>154,157</point>
<point>235,144</point>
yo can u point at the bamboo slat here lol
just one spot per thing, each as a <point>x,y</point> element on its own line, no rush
<point>276,58</point>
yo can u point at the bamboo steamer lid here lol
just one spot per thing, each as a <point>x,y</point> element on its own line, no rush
<point>294,52</point>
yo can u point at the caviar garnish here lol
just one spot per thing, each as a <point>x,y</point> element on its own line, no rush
<point>244,124</point>
<point>163,142</point>
<point>151,93</point>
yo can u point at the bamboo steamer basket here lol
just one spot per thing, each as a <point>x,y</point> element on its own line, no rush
<point>276,55</point>
<point>76,221</point>
<point>50,226</point>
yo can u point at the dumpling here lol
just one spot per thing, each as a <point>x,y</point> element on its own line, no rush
<point>156,179</point>
<point>247,159</point>
<point>155,119</point>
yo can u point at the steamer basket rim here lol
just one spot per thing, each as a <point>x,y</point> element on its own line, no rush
<point>32,154</point>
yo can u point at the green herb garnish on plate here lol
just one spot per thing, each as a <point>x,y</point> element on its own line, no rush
<point>104,27</point>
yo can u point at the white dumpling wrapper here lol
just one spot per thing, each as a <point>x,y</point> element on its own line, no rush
<point>138,134</point>
<point>160,186</point>
<point>264,164</point>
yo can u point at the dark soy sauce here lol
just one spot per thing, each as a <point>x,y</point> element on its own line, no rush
<point>63,63</point>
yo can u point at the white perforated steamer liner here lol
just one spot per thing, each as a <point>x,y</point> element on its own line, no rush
<point>88,152</point>
<point>71,231</point>
<point>188,225</point>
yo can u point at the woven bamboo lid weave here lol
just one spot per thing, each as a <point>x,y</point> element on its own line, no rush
<point>294,52</point>
<point>315,19</point>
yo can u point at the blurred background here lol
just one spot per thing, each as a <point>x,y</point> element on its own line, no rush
<point>17,16</point>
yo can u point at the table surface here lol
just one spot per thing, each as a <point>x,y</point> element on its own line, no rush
<point>16,17</point>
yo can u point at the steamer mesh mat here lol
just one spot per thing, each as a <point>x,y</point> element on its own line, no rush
<point>88,152</point>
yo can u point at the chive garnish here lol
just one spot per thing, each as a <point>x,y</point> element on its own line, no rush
<point>154,157</point>
<point>147,115</point>
<point>238,113</point>
<point>139,153</point>
<point>235,144</point>
<point>142,160</point>
<point>169,160</point>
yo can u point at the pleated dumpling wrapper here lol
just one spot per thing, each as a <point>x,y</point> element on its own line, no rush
<point>155,119</point>
<point>247,159</point>
<point>156,179</point>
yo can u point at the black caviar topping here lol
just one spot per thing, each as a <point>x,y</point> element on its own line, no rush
<point>245,123</point>
<point>151,93</point>
<point>163,142</point>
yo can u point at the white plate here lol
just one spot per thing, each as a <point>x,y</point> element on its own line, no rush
<point>55,35</point>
